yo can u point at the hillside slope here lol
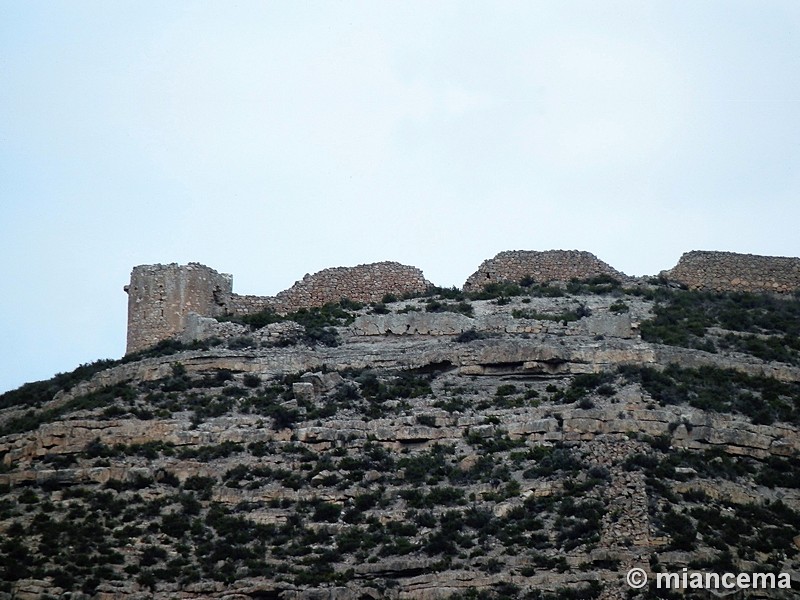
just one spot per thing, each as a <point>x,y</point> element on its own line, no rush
<point>520,442</point>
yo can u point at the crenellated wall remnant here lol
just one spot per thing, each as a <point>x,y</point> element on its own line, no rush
<point>729,271</point>
<point>542,267</point>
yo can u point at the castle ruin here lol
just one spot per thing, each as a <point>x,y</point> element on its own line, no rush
<point>161,297</point>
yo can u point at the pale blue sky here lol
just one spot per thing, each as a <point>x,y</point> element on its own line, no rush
<point>274,139</point>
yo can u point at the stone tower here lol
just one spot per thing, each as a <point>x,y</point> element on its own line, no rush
<point>161,296</point>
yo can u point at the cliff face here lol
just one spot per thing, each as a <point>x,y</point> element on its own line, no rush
<point>534,445</point>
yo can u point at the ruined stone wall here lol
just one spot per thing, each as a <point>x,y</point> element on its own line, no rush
<point>161,296</point>
<point>728,271</point>
<point>363,283</point>
<point>236,304</point>
<point>551,265</point>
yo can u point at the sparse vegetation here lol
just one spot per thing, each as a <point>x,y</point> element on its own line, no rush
<point>319,323</point>
<point>763,325</point>
<point>565,317</point>
<point>763,399</point>
<point>375,475</point>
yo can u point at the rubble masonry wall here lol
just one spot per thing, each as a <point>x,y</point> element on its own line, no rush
<point>160,297</point>
<point>551,265</point>
<point>728,271</point>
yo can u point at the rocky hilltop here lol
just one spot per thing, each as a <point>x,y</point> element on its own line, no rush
<point>518,439</point>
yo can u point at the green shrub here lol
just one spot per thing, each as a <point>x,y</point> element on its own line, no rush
<point>451,405</point>
<point>28,496</point>
<point>599,284</point>
<point>494,291</point>
<point>680,529</point>
<point>499,441</point>
<point>327,511</point>
<point>151,555</point>
<point>619,307</point>
<point>430,467</point>
<point>435,306</point>
<point>251,380</point>
<point>436,496</point>
<point>470,335</point>
<point>506,389</point>
<point>347,304</point>
<point>564,317</point>
<point>209,453</point>
<point>199,483</point>
<point>404,385</point>
<point>380,309</point>
<point>543,290</point>
<point>451,293</point>
<point>551,460</point>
